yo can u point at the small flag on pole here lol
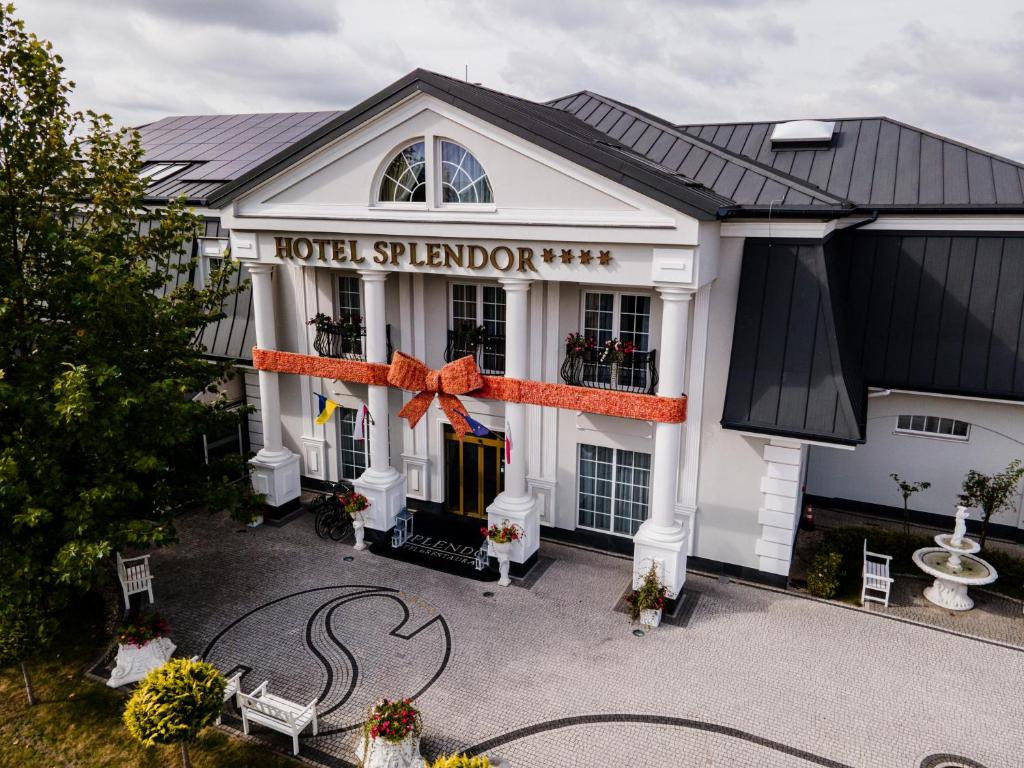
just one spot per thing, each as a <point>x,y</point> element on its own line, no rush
<point>475,426</point>
<point>363,423</point>
<point>508,444</point>
<point>326,406</point>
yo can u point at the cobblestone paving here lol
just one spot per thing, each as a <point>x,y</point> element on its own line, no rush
<point>550,676</point>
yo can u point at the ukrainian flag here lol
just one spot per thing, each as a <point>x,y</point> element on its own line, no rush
<point>326,408</point>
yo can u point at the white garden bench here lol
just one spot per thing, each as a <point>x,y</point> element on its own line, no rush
<point>135,577</point>
<point>276,713</point>
<point>876,577</point>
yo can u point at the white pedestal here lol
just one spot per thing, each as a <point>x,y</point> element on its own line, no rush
<point>276,476</point>
<point>525,513</point>
<point>667,550</point>
<point>387,754</point>
<point>949,594</point>
<point>134,663</point>
<point>386,493</point>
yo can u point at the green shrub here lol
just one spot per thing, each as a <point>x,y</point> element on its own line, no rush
<point>823,577</point>
<point>173,703</point>
<point>459,761</point>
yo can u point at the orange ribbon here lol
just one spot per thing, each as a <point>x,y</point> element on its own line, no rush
<point>629,405</point>
<point>458,377</point>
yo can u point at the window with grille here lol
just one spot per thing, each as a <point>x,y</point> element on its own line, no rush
<point>351,452</point>
<point>614,488</point>
<point>933,426</point>
<point>622,316</point>
<point>481,305</point>
<point>463,179</point>
<point>405,178</point>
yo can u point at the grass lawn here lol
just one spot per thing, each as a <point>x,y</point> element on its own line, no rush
<point>77,722</point>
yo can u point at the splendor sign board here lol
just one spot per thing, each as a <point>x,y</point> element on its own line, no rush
<point>430,255</point>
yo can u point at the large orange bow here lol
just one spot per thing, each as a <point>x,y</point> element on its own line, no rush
<point>456,378</point>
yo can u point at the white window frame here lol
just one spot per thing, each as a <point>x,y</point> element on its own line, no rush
<point>617,312</point>
<point>209,248</point>
<point>931,434</point>
<point>337,294</point>
<point>341,411</point>
<point>439,186</point>
<point>432,165</point>
<point>161,170</point>
<point>614,486</point>
<point>479,286</point>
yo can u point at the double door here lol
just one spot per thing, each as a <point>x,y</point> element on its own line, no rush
<point>474,472</point>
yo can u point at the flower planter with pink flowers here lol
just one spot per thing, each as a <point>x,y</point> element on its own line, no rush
<point>391,735</point>
<point>142,646</point>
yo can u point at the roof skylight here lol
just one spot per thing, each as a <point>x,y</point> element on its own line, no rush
<point>803,133</point>
<point>153,172</point>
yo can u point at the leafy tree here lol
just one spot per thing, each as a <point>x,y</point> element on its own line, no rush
<point>908,489</point>
<point>173,703</point>
<point>991,493</point>
<point>99,432</point>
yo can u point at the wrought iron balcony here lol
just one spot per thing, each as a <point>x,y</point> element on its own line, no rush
<point>336,340</point>
<point>489,352</point>
<point>636,372</point>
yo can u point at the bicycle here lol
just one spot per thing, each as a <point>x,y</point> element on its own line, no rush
<point>332,521</point>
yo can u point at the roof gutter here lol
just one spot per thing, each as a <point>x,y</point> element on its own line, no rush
<point>806,212</point>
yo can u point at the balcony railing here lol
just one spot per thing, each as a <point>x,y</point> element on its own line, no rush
<point>489,352</point>
<point>635,373</point>
<point>334,340</point>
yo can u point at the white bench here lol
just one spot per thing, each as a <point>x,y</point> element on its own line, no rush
<point>135,577</point>
<point>276,713</point>
<point>876,577</point>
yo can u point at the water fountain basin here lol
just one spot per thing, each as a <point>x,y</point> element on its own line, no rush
<point>951,582</point>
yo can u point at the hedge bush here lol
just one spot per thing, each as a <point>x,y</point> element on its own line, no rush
<point>823,576</point>
<point>173,703</point>
<point>459,761</point>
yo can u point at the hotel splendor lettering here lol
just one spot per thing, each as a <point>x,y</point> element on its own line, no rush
<point>467,256</point>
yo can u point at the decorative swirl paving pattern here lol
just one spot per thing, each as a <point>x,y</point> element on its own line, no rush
<point>336,645</point>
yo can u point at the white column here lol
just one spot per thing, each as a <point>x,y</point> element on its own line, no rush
<point>694,410</point>
<point>381,483</point>
<point>275,469</point>
<point>662,539</point>
<point>516,503</point>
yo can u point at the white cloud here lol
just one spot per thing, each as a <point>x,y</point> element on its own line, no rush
<point>928,64</point>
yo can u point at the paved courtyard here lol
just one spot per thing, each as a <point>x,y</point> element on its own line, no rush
<point>550,676</point>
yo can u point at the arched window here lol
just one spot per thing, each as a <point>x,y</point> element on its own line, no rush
<point>463,179</point>
<point>405,178</point>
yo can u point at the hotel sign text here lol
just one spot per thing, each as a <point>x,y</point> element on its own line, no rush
<point>430,255</point>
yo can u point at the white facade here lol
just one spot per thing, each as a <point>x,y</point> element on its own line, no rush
<point>995,436</point>
<point>715,494</point>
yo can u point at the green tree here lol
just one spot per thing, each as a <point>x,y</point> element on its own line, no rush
<point>173,703</point>
<point>908,489</point>
<point>99,432</point>
<point>991,493</point>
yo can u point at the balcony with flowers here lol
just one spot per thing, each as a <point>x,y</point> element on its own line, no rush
<point>343,337</point>
<point>614,365</point>
<point>487,349</point>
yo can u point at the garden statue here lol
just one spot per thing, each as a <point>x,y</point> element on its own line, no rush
<point>960,528</point>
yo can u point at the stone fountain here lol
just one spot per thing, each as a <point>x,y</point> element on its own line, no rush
<point>954,566</point>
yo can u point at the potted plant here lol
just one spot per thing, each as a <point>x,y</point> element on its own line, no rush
<point>354,504</point>
<point>577,345</point>
<point>647,602</point>
<point>391,735</point>
<point>470,336</point>
<point>502,537</point>
<point>142,645</point>
<point>616,352</point>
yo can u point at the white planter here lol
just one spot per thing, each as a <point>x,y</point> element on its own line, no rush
<point>360,530</point>
<point>502,552</point>
<point>134,663</point>
<point>381,753</point>
<point>650,618</point>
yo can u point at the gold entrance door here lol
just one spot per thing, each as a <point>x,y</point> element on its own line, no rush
<point>474,472</point>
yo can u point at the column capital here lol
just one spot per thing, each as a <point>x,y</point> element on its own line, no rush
<point>514,284</point>
<point>373,275</point>
<point>674,292</point>
<point>261,269</point>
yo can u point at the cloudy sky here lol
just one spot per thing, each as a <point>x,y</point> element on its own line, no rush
<point>951,67</point>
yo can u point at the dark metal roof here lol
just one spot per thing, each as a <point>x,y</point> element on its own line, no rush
<point>219,148</point>
<point>791,372</point>
<point>938,313</point>
<point>817,323</point>
<point>742,180</point>
<point>878,162</point>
